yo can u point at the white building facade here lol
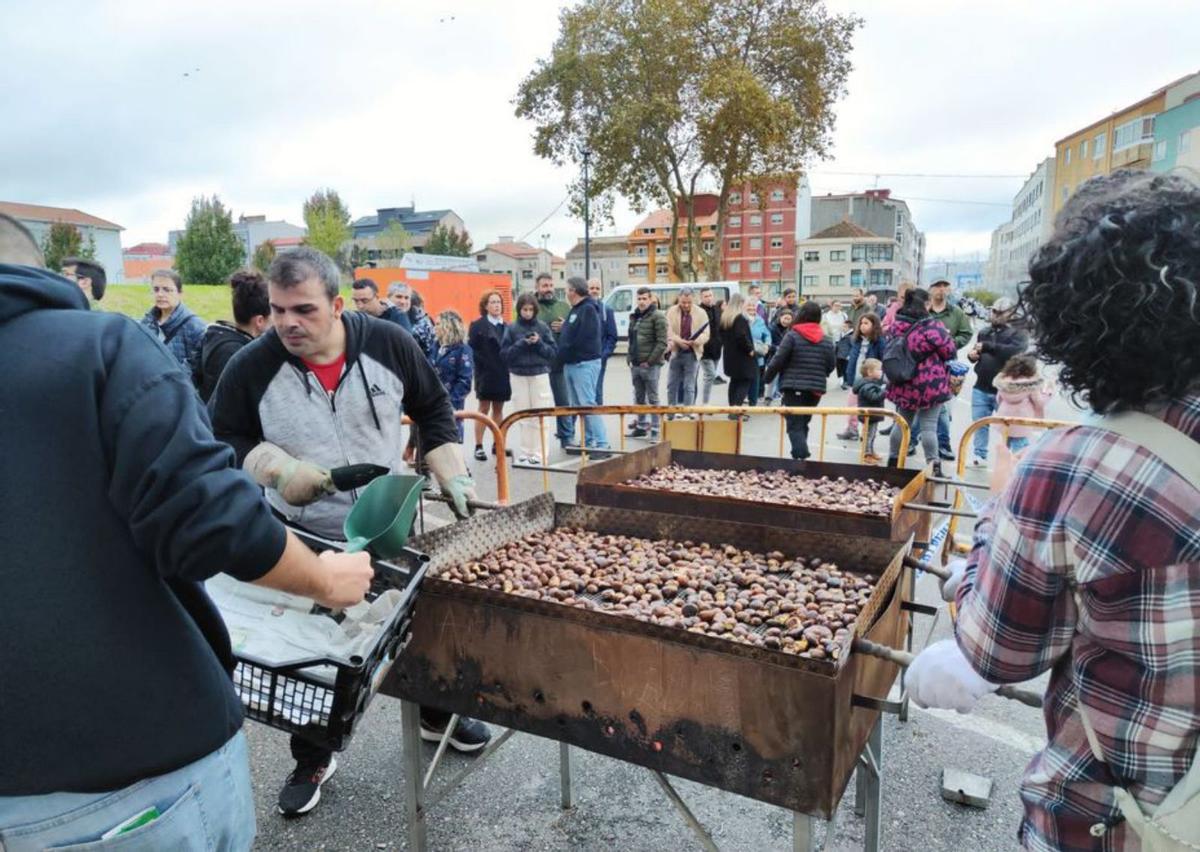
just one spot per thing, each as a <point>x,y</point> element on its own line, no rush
<point>1014,242</point>
<point>844,257</point>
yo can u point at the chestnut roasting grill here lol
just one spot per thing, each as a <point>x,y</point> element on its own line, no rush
<point>776,727</point>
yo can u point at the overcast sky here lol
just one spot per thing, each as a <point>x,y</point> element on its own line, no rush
<point>128,110</point>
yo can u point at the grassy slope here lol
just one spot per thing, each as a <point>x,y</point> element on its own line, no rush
<point>211,303</point>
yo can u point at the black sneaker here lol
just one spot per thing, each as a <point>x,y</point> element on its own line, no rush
<point>886,430</point>
<point>636,432</point>
<point>912,451</point>
<point>480,455</point>
<point>302,790</point>
<point>470,735</point>
<point>719,381</point>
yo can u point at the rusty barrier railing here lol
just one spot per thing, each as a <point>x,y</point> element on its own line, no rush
<point>497,439</point>
<point>694,411</point>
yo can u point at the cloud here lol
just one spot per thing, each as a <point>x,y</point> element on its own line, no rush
<point>388,102</point>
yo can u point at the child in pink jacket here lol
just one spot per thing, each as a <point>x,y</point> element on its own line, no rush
<point>1021,392</point>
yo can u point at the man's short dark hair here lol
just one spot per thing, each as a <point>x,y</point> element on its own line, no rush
<point>17,245</point>
<point>810,311</point>
<point>790,291</point>
<point>90,270</point>
<point>293,268</point>
<point>249,296</point>
<point>644,291</point>
<point>365,284</point>
<point>171,275</point>
<point>1112,295</point>
<point>577,285</point>
<point>542,275</point>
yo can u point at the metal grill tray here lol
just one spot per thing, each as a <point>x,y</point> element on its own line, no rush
<point>773,726</point>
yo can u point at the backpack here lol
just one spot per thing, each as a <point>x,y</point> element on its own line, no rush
<point>899,362</point>
<point>1174,826</point>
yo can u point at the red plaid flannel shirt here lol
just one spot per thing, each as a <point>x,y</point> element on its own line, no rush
<point>1088,507</point>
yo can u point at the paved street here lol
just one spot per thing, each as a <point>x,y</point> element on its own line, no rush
<point>513,803</point>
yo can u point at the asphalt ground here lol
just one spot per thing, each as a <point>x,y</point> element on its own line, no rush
<point>513,802</point>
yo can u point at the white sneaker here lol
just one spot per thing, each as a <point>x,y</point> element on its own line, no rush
<point>534,460</point>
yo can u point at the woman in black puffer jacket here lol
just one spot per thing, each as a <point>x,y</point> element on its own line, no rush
<point>803,362</point>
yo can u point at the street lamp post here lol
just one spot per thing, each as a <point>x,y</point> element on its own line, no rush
<point>587,233</point>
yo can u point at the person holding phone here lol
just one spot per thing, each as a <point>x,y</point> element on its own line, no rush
<point>529,351</point>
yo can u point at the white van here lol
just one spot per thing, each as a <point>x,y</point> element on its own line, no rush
<point>623,299</point>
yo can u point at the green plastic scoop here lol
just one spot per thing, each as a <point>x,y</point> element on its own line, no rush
<point>382,518</point>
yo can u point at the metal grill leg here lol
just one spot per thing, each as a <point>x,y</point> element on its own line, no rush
<point>414,788</point>
<point>804,833</point>
<point>564,773</point>
<point>680,805</point>
<point>860,788</point>
<point>873,838</point>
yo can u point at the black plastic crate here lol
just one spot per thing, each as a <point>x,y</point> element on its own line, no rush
<point>293,699</point>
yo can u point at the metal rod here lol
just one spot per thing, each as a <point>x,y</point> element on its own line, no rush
<point>903,658</point>
<point>916,564</point>
<point>471,504</point>
<point>564,775</point>
<point>939,510</point>
<point>410,726</point>
<point>803,833</point>
<point>701,832</point>
<point>462,776</point>
<point>941,480</point>
<point>821,447</point>
<point>441,749</point>
<point>874,788</point>
<point>860,787</point>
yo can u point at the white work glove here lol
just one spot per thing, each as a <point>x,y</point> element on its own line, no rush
<point>298,482</point>
<point>940,676</point>
<point>448,468</point>
<point>958,570</point>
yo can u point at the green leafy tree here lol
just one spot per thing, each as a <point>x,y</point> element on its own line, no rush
<point>64,240</point>
<point>448,241</point>
<point>358,256</point>
<point>328,223</point>
<point>209,250</point>
<point>983,297</point>
<point>672,97</point>
<point>394,241</point>
<point>263,255</point>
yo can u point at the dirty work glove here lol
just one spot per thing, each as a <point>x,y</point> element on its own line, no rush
<point>940,676</point>
<point>448,468</point>
<point>958,570</point>
<point>297,482</point>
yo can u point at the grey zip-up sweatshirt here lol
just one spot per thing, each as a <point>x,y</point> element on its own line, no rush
<point>266,394</point>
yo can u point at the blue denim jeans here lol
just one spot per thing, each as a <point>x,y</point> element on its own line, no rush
<point>1017,444</point>
<point>207,804</point>
<point>582,379</point>
<point>564,426</point>
<point>983,404</point>
<point>943,429</point>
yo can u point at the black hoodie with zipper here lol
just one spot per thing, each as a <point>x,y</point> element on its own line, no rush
<point>221,340</point>
<point>117,504</point>
<point>267,394</point>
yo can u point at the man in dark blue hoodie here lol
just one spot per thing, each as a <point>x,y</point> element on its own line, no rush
<point>580,346</point>
<point>116,707</point>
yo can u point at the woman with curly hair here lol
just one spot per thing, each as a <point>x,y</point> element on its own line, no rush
<point>1087,565</point>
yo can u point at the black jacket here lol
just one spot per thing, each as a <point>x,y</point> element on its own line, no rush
<point>582,333</point>
<point>801,363</point>
<point>997,345</point>
<point>524,358</point>
<point>117,504</point>
<point>738,348</point>
<point>267,394</point>
<point>221,340</point>
<point>712,348</point>
<point>491,373</point>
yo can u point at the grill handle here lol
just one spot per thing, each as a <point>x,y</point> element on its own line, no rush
<point>904,659</point>
<point>916,564</point>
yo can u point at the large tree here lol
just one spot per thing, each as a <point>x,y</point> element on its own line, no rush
<point>209,251</point>
<point>328,223</point>
<point>448,241</point>
<point>674,97</point>
<point>263,255</point>
<point>64,240</point>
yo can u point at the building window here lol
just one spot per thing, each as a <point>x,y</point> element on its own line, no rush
<point>871,252</point>
<point>756,266</point>
<point>776,242</point>
<point>1098,145</point>
<point>482,258</point>
<point>1083,149</point>
<point>754,198</point>
<point>707,245</point>
<point>837,280</point>
<point>735,198</point>
<point>815,255</point>
<point>755,220</point>
<point>810,281</point>
<point>660,269</point>
<point>1134,132</point>
<point>1185,142</point>
<point>777,195</point>
<point>660,251</point>
<point>735,267</point>
<point>526,274</point>
<point>776,266</point>
<point>856,278</point>
<point>1067,156</point>
<point>735,221</point>
<point>735,245</point>
<point>1160,150</point>
<point>640,251</point>
<point>838,254</point>
<point>756,242</point>
<point>637,270</point>
<point>776,218</point>
<point>647,230</point>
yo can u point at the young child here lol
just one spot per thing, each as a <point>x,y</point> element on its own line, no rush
<point>870,391</point>
<point>454,366</point>
<point>1021,392</point>
<point>842,355</point>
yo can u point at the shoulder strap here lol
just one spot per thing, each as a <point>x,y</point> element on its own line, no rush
<point>1157,438</point>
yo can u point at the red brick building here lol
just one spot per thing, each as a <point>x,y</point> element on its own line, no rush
<point>760,233</point>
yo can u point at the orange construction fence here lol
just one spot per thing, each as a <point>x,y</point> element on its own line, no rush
<point>442,289</point>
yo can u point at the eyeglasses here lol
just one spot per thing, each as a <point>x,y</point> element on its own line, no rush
<point>163,290</point>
